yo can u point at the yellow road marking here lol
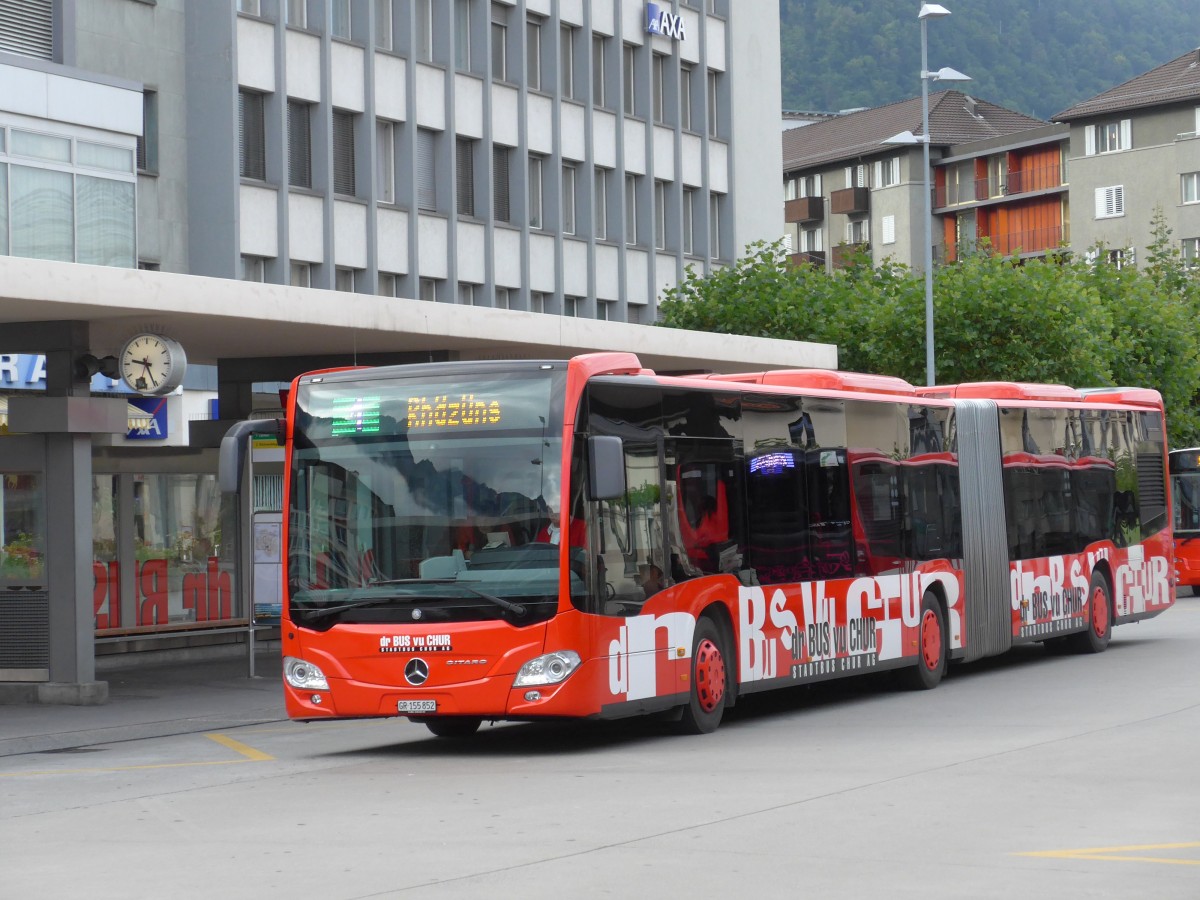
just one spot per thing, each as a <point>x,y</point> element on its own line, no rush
<point>1121,854</point>
<point>238,747</point>
<point>247,754</point>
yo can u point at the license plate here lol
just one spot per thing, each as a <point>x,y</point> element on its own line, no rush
<point>416,706</point>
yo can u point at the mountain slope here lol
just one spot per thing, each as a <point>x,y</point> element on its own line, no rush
<point>1034,56</point>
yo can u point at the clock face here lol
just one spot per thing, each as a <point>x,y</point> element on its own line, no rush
<point>152,364</point>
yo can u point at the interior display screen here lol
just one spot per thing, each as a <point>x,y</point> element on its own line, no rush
<point>772,463</point>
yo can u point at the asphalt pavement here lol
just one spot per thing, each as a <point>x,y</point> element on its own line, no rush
<point>153,701</point>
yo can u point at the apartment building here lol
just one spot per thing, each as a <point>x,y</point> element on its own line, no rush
<point>848,187</point>
<point>1135,150</point>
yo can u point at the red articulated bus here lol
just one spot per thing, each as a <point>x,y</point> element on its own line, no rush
<point>1184,467</point>
<point>481,541</point>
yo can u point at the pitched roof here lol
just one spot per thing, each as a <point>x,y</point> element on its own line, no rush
<point>954,118</point>
<point>1178,80</point>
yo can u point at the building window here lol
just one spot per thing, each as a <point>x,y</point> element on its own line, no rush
<point>660,215</point>
<point>344,279</point>
<point>572,306</point>
<point>295,13</point>
<point>28,28</point>
<point>856,176</point>
<point>630,95</point>
<point>686,75</point>
<point>536,217</point>
<point>299,144</point>
<point>568,198</point>
<point>631,209</point>
<point>385,161</point>
<point>249,7</point>
<point>858,231</point>
<point>253,268</point>
<point>714,108</point>
<point>501,207</point>
<point>387,284</point>
<point>658,71</point>
<point>1108,137</point>
<point>533,54</point>
<point>423,30</point>
<point>426,169</point>
<point>810,240</point>
<point>464,175</point>
<point>343,153</point>
<point>383,30</point>
<point>147,142</point>
<point>251,136</point>
<point>462,35</point>
<point>599,46</point>
<point>499,42</point>
<point>1119,258</point>
<point>341,19</point>
<point>887,172</point>
<point>888,224</point>
<point>537,301</point>
<point>300,274</point>
<point>605,310</point>
<point>503,298</point>
<point>466,293</point>
<point>688,221</point>
<point>1190,184</point>
<point>427,290</point>
<point>714,226</point>
<point>566,61</point>
<point>1190,250</point>
<point>600,205</point>
<point>1110,201</point>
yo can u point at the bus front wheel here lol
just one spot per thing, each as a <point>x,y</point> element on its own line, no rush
<point>931,647</point>
<point>709,681</point>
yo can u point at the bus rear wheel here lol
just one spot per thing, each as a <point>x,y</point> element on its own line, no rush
<point>453,726</point>
<point>709,681</point>
<point>931,648</point>
<point>1099,631</point>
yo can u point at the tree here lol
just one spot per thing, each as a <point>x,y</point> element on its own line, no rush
<point>1055,320</point>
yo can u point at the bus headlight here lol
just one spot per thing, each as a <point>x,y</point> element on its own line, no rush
<point>550,668</point>
<point>303,675</point>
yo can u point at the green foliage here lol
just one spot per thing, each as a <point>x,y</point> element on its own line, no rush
<point>1035,56</point>
<point>1052,321</point>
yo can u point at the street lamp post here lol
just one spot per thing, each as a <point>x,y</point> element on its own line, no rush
<point>928,11</point>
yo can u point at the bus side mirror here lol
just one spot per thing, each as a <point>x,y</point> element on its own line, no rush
<point>235,445</point>
<point>606,467</point>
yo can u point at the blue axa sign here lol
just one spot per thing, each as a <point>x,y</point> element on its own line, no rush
<point>663,22</point>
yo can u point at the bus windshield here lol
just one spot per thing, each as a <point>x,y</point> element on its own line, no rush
<point>418,499</point>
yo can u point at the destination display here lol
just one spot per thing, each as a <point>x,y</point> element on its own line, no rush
<point>351,410</point>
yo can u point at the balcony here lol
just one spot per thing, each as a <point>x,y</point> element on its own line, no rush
<point>804,209</point>
<point>1030,242</point>
<point>814,258</point>
<point>850,201</point>
<point>1022,181</point>
<point>843,252</point>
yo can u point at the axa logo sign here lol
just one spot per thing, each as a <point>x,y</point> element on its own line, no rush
<point>663,22</point>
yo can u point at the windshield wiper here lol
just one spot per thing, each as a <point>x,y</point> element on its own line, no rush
<point>517,609</point>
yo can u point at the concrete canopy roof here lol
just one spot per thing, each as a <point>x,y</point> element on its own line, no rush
<point>219,319</point>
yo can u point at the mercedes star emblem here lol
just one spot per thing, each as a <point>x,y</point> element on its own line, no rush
<point>416,672</point>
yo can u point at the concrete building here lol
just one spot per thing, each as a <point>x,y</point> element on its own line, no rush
<point>304,184</point>
<point>1135,149</point>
